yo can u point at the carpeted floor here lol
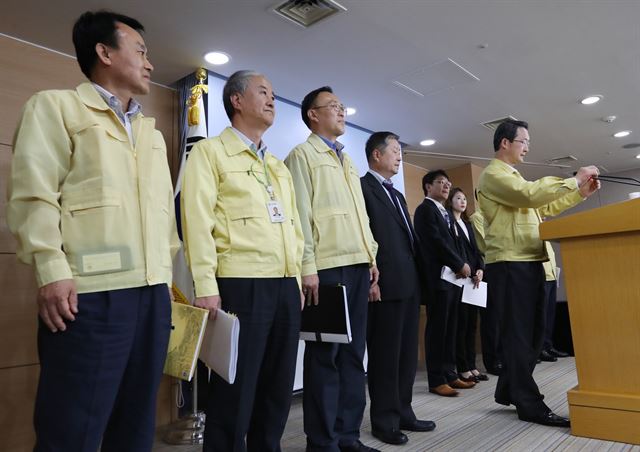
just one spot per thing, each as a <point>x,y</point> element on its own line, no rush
<point>470,422</point>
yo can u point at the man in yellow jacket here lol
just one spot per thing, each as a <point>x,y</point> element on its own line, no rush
<point>244,244</point>
<point>338,249</point>
<point>91,205</point>
<point>513,208</point>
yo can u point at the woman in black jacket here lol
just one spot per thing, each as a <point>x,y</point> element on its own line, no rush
<point>467,314</point>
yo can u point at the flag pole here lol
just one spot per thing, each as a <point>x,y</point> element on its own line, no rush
<point>189,430</point>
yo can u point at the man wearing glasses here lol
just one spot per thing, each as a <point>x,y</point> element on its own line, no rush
<point>438,247</point>
<point>512,208</point>
<point>339,249</point>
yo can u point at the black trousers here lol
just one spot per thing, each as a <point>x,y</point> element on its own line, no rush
<point>466,337</point>
<point>257,404</point>
<point>440,335</point>
<point>99,378</point>
<point>491,344</point>
<point>519,286</point>
<point>392,345</point>
<point>334,381</point>
<point>550,289</point>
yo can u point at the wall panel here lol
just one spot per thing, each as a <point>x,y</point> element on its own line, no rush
<point>17,396</point>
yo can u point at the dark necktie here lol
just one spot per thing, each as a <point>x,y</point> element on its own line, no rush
<point>389,186</point>
<point>339,154</point>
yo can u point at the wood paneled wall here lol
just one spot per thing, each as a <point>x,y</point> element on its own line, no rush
<point>27,69</point>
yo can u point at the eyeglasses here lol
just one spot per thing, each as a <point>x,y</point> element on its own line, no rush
<point>338,108</point>
<point>526,143</point>
<point>442,182</point>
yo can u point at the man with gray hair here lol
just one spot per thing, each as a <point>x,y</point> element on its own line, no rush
<point>246,259</point>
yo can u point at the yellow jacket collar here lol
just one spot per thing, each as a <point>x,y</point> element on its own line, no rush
<point>91,97</point>
<point>318,144</point>
<point>233,144</point>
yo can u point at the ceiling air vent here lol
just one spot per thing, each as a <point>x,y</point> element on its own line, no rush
<point>562,160</point>
<point>631,146</point>
<point>307,12</point>
<point>493,124</point>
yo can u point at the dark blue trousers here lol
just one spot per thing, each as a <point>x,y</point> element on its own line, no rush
<point>392,346</point>
<point>334,380</point>
<point>256,405</point>
<point>99,378</point>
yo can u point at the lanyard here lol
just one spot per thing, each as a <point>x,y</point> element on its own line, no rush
<point>267,182</point>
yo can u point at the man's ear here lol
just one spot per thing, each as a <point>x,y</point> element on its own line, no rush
<point>312,114</point>
<point>103,54</point>
<point>236,101</point>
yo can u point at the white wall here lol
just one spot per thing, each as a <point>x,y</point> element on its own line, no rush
<point>288,130</point>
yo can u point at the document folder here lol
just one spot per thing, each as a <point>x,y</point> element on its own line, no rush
<point>328,321</point>
<point>220,345</point>
<point>187,330</point>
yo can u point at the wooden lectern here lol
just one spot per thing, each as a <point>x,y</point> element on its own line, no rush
<point>601,261</point>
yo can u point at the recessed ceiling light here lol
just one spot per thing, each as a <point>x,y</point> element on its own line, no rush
<point>591,100</point>
<point>217,58</point>
<point>638,156</point>
<point>622,134</point>
<point>350,111</point>
<point>427,142</point>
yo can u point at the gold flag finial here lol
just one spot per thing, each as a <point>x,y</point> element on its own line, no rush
<point>193,114</point>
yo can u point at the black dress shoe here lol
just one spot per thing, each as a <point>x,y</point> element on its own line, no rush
<point>503,400</point>
<point>418,426</point>
<point>496,369</point>
<point>548,357</point>
<point>557,353</point>
<point>549,418</point>
<point>481,377</point>
<point>390,437</point>
<point>470,379</point>
<point>357,447</point>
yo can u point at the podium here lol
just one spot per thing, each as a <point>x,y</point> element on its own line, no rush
<point>601,261</point>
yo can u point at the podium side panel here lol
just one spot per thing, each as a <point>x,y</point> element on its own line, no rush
<point>602,275</point>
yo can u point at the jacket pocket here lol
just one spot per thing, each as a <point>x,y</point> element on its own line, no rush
<point>330,225</point>
<point>92,221</point>
<point>86,203</point>
<point>248,232</point>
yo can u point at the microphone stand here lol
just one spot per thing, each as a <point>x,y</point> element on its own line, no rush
<point>619,180</point>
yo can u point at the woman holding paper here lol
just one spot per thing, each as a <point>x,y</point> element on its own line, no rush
<point>467,314</point>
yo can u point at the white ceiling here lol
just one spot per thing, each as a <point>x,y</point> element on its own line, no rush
<point>541,58</point>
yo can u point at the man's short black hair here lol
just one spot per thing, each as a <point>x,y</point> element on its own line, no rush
<point>430,177</point>
<point>507,129</point>
<point>93,28</point>
<point>309,100</point>
<point>378,140</point>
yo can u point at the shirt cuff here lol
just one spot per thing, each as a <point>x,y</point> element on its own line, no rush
<point>309,268</point>
<point>52,271</point>
<point>206,288</point>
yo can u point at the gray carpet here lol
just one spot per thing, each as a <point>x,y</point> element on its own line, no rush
<point>470,422</point>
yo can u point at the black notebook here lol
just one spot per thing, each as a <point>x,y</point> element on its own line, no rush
<point>329,320</point>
